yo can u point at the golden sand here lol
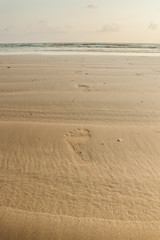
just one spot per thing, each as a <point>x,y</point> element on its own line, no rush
<point>79,148</point>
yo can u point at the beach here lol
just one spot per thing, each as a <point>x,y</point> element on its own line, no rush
<point>79,147</point>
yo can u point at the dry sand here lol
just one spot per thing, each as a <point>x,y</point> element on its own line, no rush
<point>79,148</point>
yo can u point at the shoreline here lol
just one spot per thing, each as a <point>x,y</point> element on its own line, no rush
<point>79,53</point>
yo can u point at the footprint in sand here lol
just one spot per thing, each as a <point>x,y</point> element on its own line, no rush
<point>83,87</point>
<point>138,74</point>
<point>76,140</point>
<point>78,72</point>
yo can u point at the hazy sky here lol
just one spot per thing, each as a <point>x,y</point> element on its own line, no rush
<point>80,21</point>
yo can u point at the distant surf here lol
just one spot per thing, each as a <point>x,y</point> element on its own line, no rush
<point>132,49</point>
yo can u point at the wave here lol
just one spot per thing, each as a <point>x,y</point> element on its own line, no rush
<point>82,45</point>
<point>53,48</point>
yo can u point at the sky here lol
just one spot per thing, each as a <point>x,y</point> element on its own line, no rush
<point>79,21</point>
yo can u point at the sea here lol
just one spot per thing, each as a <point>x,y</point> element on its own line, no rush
<point>83,48</point>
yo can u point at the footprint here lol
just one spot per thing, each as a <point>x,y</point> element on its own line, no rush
<point>139,74</point>
<point>83,87</point>
<point>75,140</point>
<point>156,70</point>
<point>78,72</point>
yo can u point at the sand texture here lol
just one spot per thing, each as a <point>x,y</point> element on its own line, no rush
<point>79,148</point>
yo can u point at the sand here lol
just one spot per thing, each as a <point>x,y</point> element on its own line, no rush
<point>79,148</point>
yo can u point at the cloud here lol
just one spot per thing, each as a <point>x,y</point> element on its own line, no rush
<point>153,26</point>
<point>48,30</point>
<point>113,27</point>
<point>91,6</point>
<point>41,22</point>
<point>42,27</point>
<point>8,28</point>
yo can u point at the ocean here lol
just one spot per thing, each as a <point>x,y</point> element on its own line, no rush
<point>132,49</point>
